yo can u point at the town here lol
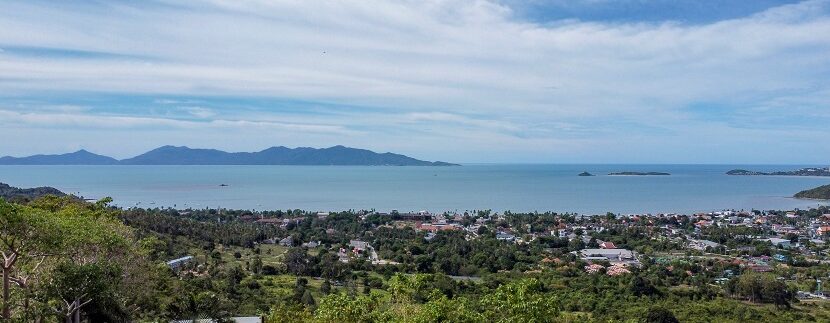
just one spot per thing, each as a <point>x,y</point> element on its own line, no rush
<point>775,257</point>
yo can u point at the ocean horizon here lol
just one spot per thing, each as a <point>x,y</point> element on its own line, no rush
<point>690,188</point>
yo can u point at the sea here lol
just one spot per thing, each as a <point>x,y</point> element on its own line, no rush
<point>496,187</point>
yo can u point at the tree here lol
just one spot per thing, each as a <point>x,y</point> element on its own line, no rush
<point>763,288</point>
<point>296,261</point>
<point>66,251</point>
<point>337,307</point>
<point>576,244</point>
<point>778,293</point>
<point>520,301</point>
<point>308,299</point>
<point>642,287</point>
<point>300,289</point>
<point>325,287</point>
<point>78,285</point>
<point>92,238</point>
<point>659,315</point>
<point>26,236</point>
<point>293,313</point>
<point>256,267</point>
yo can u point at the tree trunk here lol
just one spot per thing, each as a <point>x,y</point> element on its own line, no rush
<point>77,316</point>
<point>7,315</point>
<point>26,305</point>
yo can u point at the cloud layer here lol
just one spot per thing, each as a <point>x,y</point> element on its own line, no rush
<point>468,81</point>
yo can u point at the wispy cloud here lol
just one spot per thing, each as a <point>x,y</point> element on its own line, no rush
<point>13,119</point>
<point>199,112</point>
<point>461,74</point>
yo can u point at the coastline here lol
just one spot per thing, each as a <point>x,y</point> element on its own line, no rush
<point>519,188</point>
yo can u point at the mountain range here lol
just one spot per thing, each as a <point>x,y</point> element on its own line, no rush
<point>174,155</point>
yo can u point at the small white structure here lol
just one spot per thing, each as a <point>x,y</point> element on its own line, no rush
<point>287,242</point>
<point>176,263</point>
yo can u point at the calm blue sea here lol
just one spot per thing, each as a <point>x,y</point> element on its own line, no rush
<point>690,188</point>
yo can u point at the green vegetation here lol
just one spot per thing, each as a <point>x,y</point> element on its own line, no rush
<point>63,257</point>
<point>23,195</point>
<point>88,262</point>
<point>819,193</point>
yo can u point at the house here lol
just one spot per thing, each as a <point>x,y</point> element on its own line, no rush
<point>358,246</point>
<point>420,216</point>
<point>241,319</point>
<point>311,244</point>
<point>287,241</point>
<point>176,263</point>
<point>702,244</point>
<point>435,227</point>
<point>607,245</point>
<point>504,236</point>
<point>269,221</point>
<point>761,268</point>
<point>703,223</point>
<point>586,239</point>
<point>342,256</point>
<point>611,255</point>
<point>780,243</point>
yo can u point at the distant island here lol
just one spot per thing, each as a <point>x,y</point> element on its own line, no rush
<point>585,174</point>
<point>173,155</point>
<point>818,193</point>
<point>638,174</point>
<point>11,193</point>
<point>810,171</point>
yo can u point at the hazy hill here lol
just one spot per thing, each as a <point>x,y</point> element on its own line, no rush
<point>810,171</point>
<point>80,157</point>
<point>819,193</point>
<point>13,193</point>
<point>173,155</point>
<point>337,155</point>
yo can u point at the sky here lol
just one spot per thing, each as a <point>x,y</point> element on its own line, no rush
<point>498,81</point>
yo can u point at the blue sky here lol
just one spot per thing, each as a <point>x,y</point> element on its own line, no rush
<point>634,11</point>
<point>599,81</point>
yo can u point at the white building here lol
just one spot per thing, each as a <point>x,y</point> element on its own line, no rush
<point>611,255</point>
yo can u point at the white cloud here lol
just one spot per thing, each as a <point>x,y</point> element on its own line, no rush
<point>465,68</point>
<point>199,112</point>
<point>13,119</point>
